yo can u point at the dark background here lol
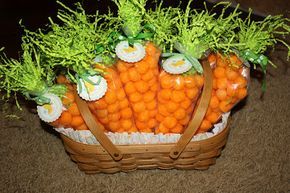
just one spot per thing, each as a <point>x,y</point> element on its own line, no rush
<point>34,14</point>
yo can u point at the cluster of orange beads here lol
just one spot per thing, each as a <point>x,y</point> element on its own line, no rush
<point>139,98</point>
<point>113,110</point>
<point>70,117</point>
<point>229,87</point>
<point>176,100</point>
<point>140,80</point>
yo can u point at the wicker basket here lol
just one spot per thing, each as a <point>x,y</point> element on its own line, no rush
<point>110,158</point>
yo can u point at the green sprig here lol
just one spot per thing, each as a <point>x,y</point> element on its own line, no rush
<point>26,76</point>
<point>73,44</point>
<point>163,20</point>
<point>130,15</point>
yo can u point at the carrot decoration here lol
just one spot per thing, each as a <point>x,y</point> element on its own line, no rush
<point>140,80</point>
<point>182,80</point>
<point>230,82</point>
<point>176,101</point>
<point>113,110</point>
<point>138,64</point>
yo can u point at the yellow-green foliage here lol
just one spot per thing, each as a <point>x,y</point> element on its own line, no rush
<point>164,21</point>
<point>257,36</point>
<point>130,15</point>
<point>72,45</point>
<point>26,76</point>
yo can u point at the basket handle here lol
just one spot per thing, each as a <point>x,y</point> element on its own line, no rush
<point>97,129</point>
<point>199,113</point>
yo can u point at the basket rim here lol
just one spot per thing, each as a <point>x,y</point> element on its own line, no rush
<point>142,148</point>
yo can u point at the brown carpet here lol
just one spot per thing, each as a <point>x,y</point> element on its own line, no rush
<point>255,159</point>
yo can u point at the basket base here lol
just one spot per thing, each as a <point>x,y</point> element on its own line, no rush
<point>197,155</point>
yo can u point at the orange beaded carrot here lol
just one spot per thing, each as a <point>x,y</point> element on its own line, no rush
<point>140,80</point>
<point>113,110</point>
<point>176,100</point>
<point>229,87</point>
<point>71,116</point>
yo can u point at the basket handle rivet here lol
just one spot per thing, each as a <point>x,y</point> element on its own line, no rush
<point>116,154</point>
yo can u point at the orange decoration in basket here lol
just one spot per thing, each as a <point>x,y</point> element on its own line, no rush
<point>229,87</point>
<point>140,80</point>
<point>113,110</point>
<point>176,100</point>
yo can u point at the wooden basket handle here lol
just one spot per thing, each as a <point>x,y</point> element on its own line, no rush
<point>97,129</point>
<point>198,114</point>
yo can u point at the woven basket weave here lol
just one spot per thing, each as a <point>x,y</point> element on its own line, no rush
<point>110,158</point>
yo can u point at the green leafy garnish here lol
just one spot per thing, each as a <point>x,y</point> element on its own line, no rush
<point>73,45</point>
<point>27,77</point>
<point>255,37</point>
<point>223,34</point>
<point>164,21</point>
<point>130,14</point>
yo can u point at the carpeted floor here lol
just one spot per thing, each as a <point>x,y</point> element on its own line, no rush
<point>255,159</point>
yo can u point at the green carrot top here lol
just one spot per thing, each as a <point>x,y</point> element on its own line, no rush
<point>192,31</point>
<point>73,44</point>
<point>163,20</point>
<point>254,37</point>
<point>28,77</point>
<point>130,14</point>
<point>193,38</point>
<point>223,34</point>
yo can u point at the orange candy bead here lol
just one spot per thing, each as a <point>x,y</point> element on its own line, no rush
<point>110,97</point>
<point>151,105</point>
<point>135,97</point>
<point>141,86</point>
<point>100,104</point>
<point>126,113</point>
<point>242,93</point>
<point>169,122</point>
<point>177,96</point>
<point>192,93</point>
<point>124,103</point>
<point>73,109</point>
<point>65,118</point>
<point>139,107</point>
<point>221,94</point>
<point>133,74</point>
<point>180,114</point>
<point>77,121</point>
<point>130,88</point>
<point>171,106</point>
<point>219,72</point>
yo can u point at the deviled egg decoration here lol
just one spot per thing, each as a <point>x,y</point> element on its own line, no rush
<point>130,15</point>
<point>29,78</point>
